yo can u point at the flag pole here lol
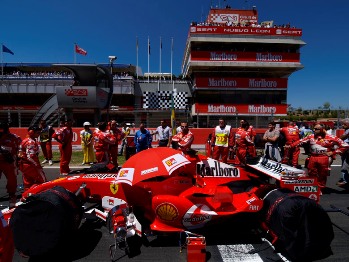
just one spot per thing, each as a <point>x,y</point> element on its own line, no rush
<point>2,64</point>
<point>160,56</point>
<point>74,54</point>
<point>171,55</point>
<point>137,57</point>
<point>148,56</point>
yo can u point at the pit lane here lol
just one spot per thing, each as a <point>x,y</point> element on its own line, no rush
<point>227,243</point>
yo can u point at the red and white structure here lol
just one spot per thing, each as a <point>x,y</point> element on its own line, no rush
<point>240,67</point>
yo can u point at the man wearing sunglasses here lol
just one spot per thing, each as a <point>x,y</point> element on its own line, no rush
<point>323,148</point>
<point>184,138</point>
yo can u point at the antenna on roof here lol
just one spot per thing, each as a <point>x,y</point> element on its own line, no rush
<point>246,4</point>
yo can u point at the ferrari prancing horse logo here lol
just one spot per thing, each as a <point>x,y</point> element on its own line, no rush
<point>114,188</point>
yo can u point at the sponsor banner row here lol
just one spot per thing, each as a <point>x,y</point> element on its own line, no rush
<point>216,109</point>
<point>230,82</point>
<point>226,56</point>
<point>227,30</point>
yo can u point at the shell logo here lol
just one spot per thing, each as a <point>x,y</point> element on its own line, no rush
<point>171,162</point>
<point>167,212</point>
<point>123,173</point>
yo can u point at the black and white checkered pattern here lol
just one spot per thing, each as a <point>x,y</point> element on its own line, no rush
<point>162,100</point>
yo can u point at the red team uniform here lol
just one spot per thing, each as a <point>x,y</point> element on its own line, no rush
<point>184,140</point>
<point>243,142</point>
<point>64,137</point>
<point>102,141</point>
<point>8,154</point>
<point>320,147</point>
<point>291,154</point>
<point>29,164</point>
<point>251,149</point>
<point>113,148</point>
<point>7,247</point>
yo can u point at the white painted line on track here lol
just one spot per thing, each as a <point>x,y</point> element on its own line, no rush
<point>281,256</point>
<point>238,253</point>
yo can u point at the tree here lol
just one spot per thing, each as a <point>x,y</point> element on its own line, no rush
<point>327,106</point>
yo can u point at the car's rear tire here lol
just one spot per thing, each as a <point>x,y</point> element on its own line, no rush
<point>302,228</point>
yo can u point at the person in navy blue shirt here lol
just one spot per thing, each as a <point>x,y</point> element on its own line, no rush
<point>142,138</point>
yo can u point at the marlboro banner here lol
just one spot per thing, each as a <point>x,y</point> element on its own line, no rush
<point>226,56</point>
<point>237,83</point>
<point>233,110</point>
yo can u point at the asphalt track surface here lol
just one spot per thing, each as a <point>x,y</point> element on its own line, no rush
<point>237,241</point>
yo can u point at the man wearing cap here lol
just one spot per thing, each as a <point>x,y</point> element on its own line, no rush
<point>9,144</point>
<point>87,144</point>
<point>30,167</point>
<point>45,141</point>
<point>64,136</point>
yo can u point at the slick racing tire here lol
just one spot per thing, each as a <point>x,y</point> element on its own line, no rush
<point>46,221</point>
<point>301,227</point>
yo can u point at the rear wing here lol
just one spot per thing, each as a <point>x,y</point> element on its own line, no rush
<point>289,177</point>
<point>277,170</point>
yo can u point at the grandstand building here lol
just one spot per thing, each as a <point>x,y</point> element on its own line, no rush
<point>240,67</point>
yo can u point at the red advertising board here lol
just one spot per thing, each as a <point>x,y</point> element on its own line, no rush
<point>14,107</point>
<point>231,82</point>
<point>230,109</point>
<point>228,15</point>
<point>226,56</point>
<point>237,30</point>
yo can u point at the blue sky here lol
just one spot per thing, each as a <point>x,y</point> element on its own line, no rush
<point>45,31</point>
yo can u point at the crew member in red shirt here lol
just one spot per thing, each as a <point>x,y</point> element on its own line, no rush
<point>251,149</point>
<point>9,144</point>
<point>222,141</point>
<point>64,136</point>
<point>102,142</point>
<point>323,148</point>
<point>113,148</point>
<point>184,138</point>
<point>242,142</point>
<point>7,247</point>
<point>29,153</point>
<point>291,134</point>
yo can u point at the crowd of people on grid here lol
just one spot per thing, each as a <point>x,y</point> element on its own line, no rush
<point>107,141</point>
<point>282,145</point>
<point>321,146</point>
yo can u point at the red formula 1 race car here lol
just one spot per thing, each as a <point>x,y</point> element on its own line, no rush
<point>160,190</point>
